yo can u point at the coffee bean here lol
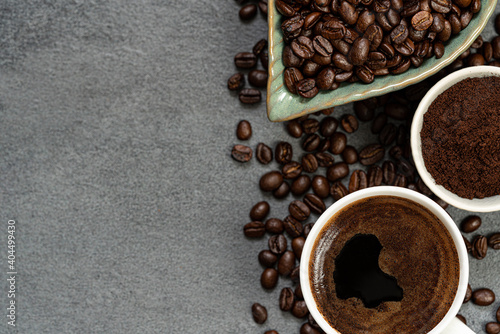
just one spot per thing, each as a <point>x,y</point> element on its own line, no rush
<point>320,186</point>
<point>379,123</point>
<point>291,170</point>
<point>277,244</point>
<point>236,81</point>
<point>299,309</point>
<point>359,51</point>
<point>250,96</point>
<point>461,318</point>
<point>309,163</point>
<point>468,245</point>
<point>492,328</point>
<point>293,227</point>
<point>307,88</point>
<point>255,229</point>
<point>308,329</point>
<point>269,278</point>
<point>311,142</point>
<point>371,154</point>
<point>422,20</point>
<point>468,294</point>
<point>337,171</point>
<point>333,29</point>
<point>287,299</point>
<point>248,12</point>
<point>479,247</point>
<point>307,229</point>
<point>300,185</point>
<point>358,181</point>
<point>483,297</point>
<point>349,123</point>
<point>260,46</point>
<point>282,191</point>
<point>363,112</point>
<point>388,134</point>
<point>270,181</point>
<point>397,111</point>
<point>264,154</point>
<point>338,142</point>
<point>284,8</point>
<point>294,129</point>
<point>328,126</point>
<point>241,153</point>
<point>283,152</point>
<point>325,159</point>
<point>303,47</point>
<point>350,155</point>
<point>494,241</point>
<point>245,60</point>
<point>286,263</point>
<point>315,203</point>
<point>338,190</point>
<point>258,78</point>
<point>441,6</point>
<point>292,76</point>
<point>297,246</point>
<point>471,223</point>
<point>259,211</point>
<point>267,258</point>
<point>274,225</point>
<point>299,210</point>
<point>259,313</point>
<point>310,125</point>
<point>298,293</point>
<point>375,176</point>
<point>388,172</point>
<point>244,130</point>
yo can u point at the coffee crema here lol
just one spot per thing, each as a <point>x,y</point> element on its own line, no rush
<point>417,251</point>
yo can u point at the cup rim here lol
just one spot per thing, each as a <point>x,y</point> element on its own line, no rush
<point>442,215</point>
<point>487,204</point>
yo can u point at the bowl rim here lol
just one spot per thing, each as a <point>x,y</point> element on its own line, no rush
<point>473,205</point>
<point>277,94</point>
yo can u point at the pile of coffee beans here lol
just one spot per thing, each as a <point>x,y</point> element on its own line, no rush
<point>329,42</point>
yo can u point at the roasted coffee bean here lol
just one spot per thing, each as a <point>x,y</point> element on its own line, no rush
<point>270,181</point>
<point>245,60</point>
<point>422,20</point>
<point>401,180</point>
<point>298,293</point>
<point>363,112</point>
<point>487,51</point>
<point>299,210</point>
<point>293,227</point>
<point>324,159</point>
<point>286,263</point>
<point>300,185</point>
<point>476,59</point>
<point>478,42</point>
<point>264,59</point>
<point>338,190</point>
<point>269,278</point>
<point>483,297</point>
<point>297,246</point>
<point>282,191</point>
<point>445,34</point>
<point>348,13</point>
<point>492,328</point>
<point>307,229</point>
<point>322,46</point>
<point>349,123</point>
<point>358,181</point>
<point>236,81</point>
<point>284,8</point>
<point>291,170</point>
<point>341,61</point>
<point>374,35</point>
<point>337,171</point>
<point>315,203</point>
<point>494,241</point>
<point>310,125</point>
<point>461,318</point>
<point>338,142</point>
<point>248,12</point>
<point>495,44</point>
<point>324,145</point>
<point>359,51</point>
<point>328,126</point>
<point>244,130</point>
<point>388,172</point>
<point>283,152</point>
<point>311,142</point>
<point>379,123</point>
<point>295,275</point>
<point>274,225</point>
<point>397,111</point>
<point>255,229</point>
<point>310,68</point>
<point>303,47</point>
<point>259,313</point>
<point>263,153</point>
<point>290,59</point>
<point>292,76</point>
<point>250,96</point>
<point>343,76</point>
<point>309,163</point>
<point>258,78</point>
<point>308,329</point>
<point>471,223</point>
<point>267,258</point>
<point>388,134</point>
<point>307,88</point>
<point>320,186</point>
<point>441,6</point>
<point>350,155</point>
<point>241,153</point>
<point>259,211</point>
<point>277,244</point>
<point>396,152</point>
<point>479,247</point>
<point>294,128</point>
<point>371,154</point>
<point>366,19</point>
<point>468,294</point>
<point>333,29</point>
<point>259,47</point>
<point>468,245</point>
<point>375,176</point>
<point>287,299</point>
<point>299,309</point>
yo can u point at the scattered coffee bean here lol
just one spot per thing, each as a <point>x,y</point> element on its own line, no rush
<point>270,181</point>
<point>248,12</point>
<point>338,142</point>
<point>494,241</point>
<point>283,152</point>
<point>269,278</point>
<point>498,314</point>
<point>297,246</point>
<point>254,229</point>
<point>358,181</point>
<point>282,191</point>
<point>468,245</point>
<point>298,293</point>
<point>311,142</point>
<point>338,190</point>
<point>259,211</point>
<point>267,258</point>
<point>350,155</point>
<point>287,299</point>
<point>349,123</point>
<point>309,163</point>
<point>250,96</point>
<point>462,318</point>
<point>299,210</point>
<point>324,159</point>
<point>371,154</point>
<point>291,170</point>
<point>236,81</point>
<point>244,130</point>
<point>241,153</point>
<point>299,309</point>
<point>468,294</point>
<point>388,172</point>
<point>292,226</point>
<point>301,185</point>
<point>306,328</point>
<point>294,129</point>
<point>492,328</point>
<point>321,186</point>
<point>375,176</point>
<point>310,126</point>
<point>328,126</point>
<point>379,123</point>
<point>471,223</point>
<point>259,313</point>
<point>479,247</point>
<point>483,297</point>
<point>264,153</point>
<point>274,225</point>
<point>258,78</point>
<point>315,203</point>
<point>277,244</point>
<point>286,263</point>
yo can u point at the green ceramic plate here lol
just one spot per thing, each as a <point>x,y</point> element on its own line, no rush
<point>282,105</point>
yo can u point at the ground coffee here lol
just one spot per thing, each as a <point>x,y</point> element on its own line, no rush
<point>461,138</point>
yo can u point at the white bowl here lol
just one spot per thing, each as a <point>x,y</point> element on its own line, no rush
<point>486,204</point>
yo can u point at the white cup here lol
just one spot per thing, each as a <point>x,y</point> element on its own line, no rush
<point>449,324</point>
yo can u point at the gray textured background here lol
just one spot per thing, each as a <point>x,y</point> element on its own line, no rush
<point>115,133</point>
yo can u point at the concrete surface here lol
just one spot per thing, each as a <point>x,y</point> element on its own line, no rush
<point>115,133</point>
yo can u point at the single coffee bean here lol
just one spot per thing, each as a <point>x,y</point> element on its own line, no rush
<point>363,112</point>
<point>274,225</point>
<point>328,126</point>
<point>468,294</point>
<point>291,170</point>
<point>350,155</point>
<point>349,123</point>
<point>299,210</point>
<point>248,12</point>
<point>396,152</point>
<point>299,309</point>
<point>468,245</point>
<point>338,142</point>
<point>282,191</point>
<point>479,247</point>
<point>307,229</point>
<point>292,76</point>
<point>422,20</point>
<point>401,180</point>
<point>259,313</point>
<point>324,159</point>
<point>494,241</point>
<point>241,153</point>
<point>341,61</point>
<point>255,229</point>
<point>461,318</point>
<point>375,176</point>
<point>284,8</point>
<point>244,130</point>
<point>471,223</point>
<point>287,299</point>
<point>259,211</point>
<point>303,47</point>
<point>269,278</point>
<point>250,96</point>
<point>333,29</point>
<point>492,328</point>
<point>300,185</point>
<point>292,226</point>
<point>267,258</point>
<point>259,47</point>
<point>320,186</point>
<point>310,125</point>
<point>324,145</point>
<point>388,172</point>
<point>258,78</point>
<point>358,181</point>
<point>379,123</point>
<point>245,60</point>
<point>483,297</point>
<point>397,111</point>
<point>309,163</point>
<point>359,51</point>
<point>388,134</point>
<point>311,142</point>
<point>338,190</point>
<point>286,263</point>
<point>283,152</point>
<point>264,153</point>
<point>294,128</point>
<point>322,46</point>
<point>297,246</point>
<point>308,329</point>
<point>298,293</point>
<point>337,171</point>
<point>315,203</point>
<point>270,181</point>
<point>277,244</point>
<point>236,81</point>
<point>371,154</point>
<point>307,88</point>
